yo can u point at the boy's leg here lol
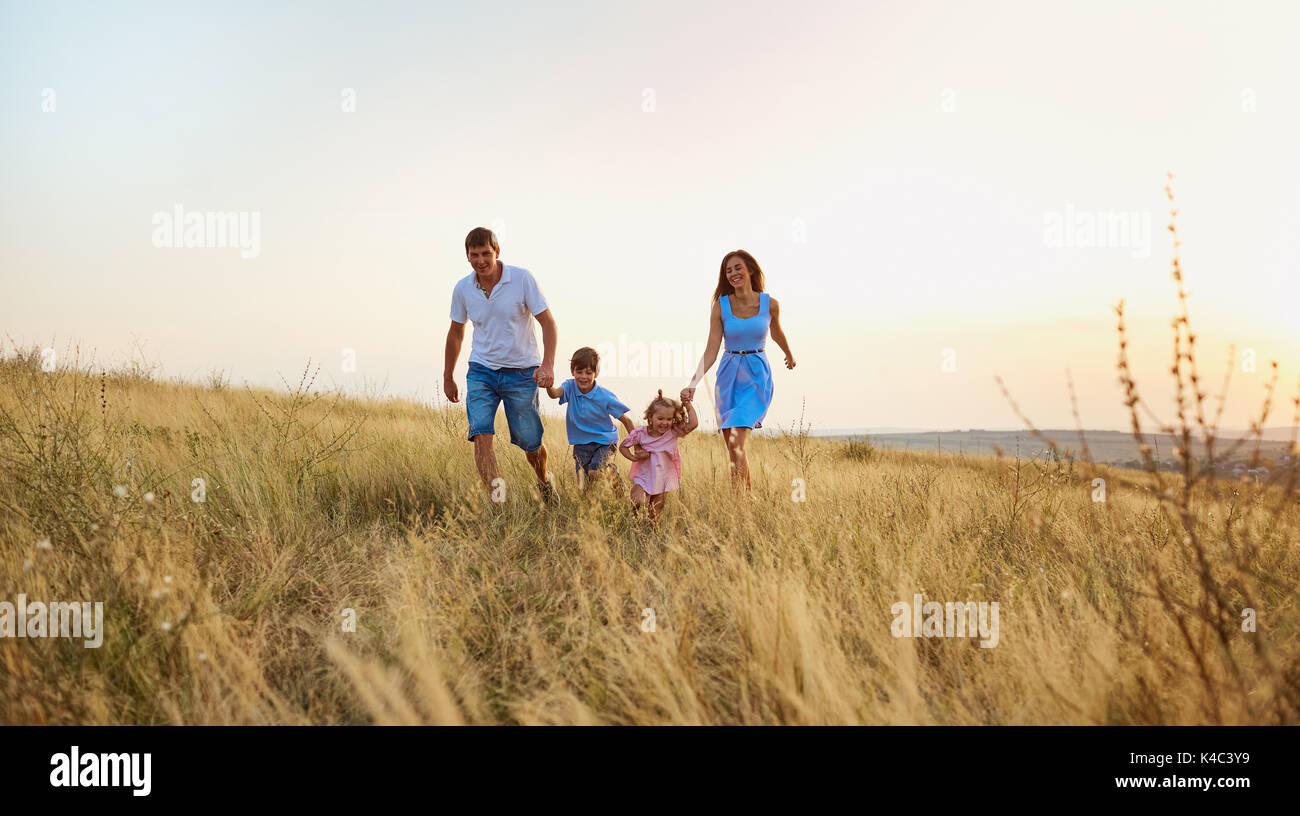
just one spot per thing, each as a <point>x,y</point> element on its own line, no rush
<point>605,478</point>
<point>580,460</point>
<point>601,468</point>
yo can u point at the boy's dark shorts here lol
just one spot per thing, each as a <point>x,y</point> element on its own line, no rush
<point>592,456</point>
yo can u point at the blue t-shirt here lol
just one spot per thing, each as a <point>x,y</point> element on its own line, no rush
<point>588,415</point>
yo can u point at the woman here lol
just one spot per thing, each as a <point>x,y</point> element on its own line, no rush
<point>742,314</point>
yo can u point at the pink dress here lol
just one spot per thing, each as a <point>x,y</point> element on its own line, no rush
<point>663,470</point>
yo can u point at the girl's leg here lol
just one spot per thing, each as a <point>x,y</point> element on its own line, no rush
<point>639,498</point>
<point>736,438</point>
<point>657,502</point>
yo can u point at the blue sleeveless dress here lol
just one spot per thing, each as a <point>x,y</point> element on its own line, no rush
<point>744,381</point>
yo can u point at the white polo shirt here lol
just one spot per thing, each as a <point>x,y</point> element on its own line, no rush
<point>503,322</point>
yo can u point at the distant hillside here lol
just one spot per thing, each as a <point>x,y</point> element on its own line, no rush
<point>1109,447</point>
<point>1278,434</point>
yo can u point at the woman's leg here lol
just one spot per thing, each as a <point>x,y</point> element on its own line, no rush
<point>736,438</point>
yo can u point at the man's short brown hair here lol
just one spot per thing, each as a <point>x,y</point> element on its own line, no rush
<point>482,236</point>
<point>585,357</point>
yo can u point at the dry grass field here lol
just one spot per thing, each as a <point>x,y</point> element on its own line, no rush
<point>766,610</point>
<point>233,536</point>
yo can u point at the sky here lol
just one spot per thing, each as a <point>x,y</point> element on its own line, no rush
<point>920,182</point>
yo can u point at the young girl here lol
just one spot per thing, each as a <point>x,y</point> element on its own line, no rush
<point>656,464</point>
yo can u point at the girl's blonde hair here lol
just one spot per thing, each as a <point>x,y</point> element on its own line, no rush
<point>679,410</point>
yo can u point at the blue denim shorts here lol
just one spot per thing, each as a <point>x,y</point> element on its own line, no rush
<point>593,455</point>
<point>487,388</point>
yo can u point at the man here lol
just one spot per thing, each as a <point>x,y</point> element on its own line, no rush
<point>504,366</point>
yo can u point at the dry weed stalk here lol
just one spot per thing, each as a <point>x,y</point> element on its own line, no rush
<point>1231,577</point>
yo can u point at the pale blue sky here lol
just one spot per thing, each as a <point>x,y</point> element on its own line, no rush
<point>924,228</point>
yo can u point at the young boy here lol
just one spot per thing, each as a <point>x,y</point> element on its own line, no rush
<point>587,419</point>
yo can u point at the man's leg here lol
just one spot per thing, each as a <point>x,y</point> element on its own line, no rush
<point>537,459</point>
<point>485,458</point>
<point>519,395</point>
<point>481,401</point>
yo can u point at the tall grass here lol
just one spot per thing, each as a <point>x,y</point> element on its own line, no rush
<point>1220,558</point>
<point>232,609</point>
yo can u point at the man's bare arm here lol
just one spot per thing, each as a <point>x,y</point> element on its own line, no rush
<point>455,337</point>
<point>545,375</point>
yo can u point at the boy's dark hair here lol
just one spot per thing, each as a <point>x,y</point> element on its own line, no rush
<point>482,236</point>
<point>585,357</point>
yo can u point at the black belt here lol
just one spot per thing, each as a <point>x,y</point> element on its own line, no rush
<point>751,351</point>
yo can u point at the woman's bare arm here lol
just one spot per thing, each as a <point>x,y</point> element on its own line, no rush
<point>778,334</point>
<point>710,352</point>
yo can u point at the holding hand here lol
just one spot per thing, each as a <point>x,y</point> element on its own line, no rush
<point>544,376</point>
<point>688,394</point>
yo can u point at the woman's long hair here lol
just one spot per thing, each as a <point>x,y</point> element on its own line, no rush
<point>755,274</point>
